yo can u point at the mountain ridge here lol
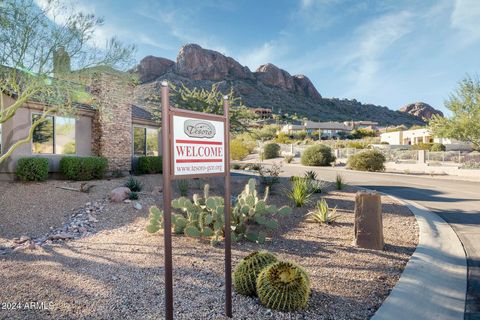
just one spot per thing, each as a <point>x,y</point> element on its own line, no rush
<point>268,86</point>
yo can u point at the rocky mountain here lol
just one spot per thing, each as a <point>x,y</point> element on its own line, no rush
<point>269,86</point>
<point>421,110</point>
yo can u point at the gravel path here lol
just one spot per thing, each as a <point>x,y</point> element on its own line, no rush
<point>118,272</point>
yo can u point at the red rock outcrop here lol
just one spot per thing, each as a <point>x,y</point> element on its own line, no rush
<point>421,109</point>
<point>150,68</point>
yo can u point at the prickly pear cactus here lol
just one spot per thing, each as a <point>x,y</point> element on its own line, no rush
<point>251,211</point>
<point>283,286</point>
<point>248,269</point>
<point>202,217</point>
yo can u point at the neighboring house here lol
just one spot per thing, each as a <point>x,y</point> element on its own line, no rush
<point>118,130</point>
<point>263,112</point>
<point>369,125</point>
<point>413,137</point>
<point>325,129</point>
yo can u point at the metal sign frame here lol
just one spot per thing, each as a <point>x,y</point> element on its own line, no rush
<point>168,176</point>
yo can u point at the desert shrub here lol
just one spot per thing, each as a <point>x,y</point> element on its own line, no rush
<point>437,147</point>
<point>236,166</point>
<point>283,286</point>
<point>317,155</point>
<point>322,214</point>
<point>133,184</point>
<point>271,151</point>
<point>369,160</point>
<point>238,149</point>
<point>270,176</point>
<point>310,174</point>
<point>248,269</point>
<point>339,183</point>
<point>83,168</point>
<point>282,137</point>
<point>300,192</point>
<point>266,133</point>
<point>182,187</point>
<point>32,169</point>
<point>357,144</point>
<point>288,158</point>
<point>149,164</point>
<point>256,166</point>
<point>422,146</point>
<point>133,195</point>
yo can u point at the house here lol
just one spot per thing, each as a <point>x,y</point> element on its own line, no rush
<point>263,112</point>
<point>369,125</point>
<point>325,129</point>
<point>117,129</point>
<point>423,135</point>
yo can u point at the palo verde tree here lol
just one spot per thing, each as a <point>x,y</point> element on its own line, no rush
<point>208,101</point>
<point>39,47</point>
<point>464,123</point>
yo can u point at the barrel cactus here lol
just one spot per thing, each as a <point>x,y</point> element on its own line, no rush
<point>283,286</point>
<point>248,269</point>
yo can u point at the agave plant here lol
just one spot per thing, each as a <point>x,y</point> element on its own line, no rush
<point>322,214</point>
<point>300,193</point>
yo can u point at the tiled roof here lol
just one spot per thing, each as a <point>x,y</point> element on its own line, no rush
<point>140,113</point>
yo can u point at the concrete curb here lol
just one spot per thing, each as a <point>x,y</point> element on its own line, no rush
<point>434,282</point>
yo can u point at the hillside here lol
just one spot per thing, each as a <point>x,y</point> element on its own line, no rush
<point>268,87</point>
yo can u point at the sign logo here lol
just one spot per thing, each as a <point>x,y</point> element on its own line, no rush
<point>199,129</point>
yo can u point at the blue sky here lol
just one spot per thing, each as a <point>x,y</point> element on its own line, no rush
<point>388,52</point>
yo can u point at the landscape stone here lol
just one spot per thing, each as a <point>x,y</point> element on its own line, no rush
<point>119,194</point>
<point>368,221</point>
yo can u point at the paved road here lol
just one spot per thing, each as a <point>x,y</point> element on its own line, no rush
<point>457,202</point>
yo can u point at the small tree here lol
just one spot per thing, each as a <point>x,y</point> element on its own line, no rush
<point>464,124</point>
<point>38,47</point>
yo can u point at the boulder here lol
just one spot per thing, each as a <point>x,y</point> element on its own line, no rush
<point>197,63</point>
<point>368,221</point>
<point>421,110</point>
<point>150,68</point>
<point>119,194</point>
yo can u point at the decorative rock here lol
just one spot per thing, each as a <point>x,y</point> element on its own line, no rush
<point>127,201</point>
<point>22,239</point>
<point>61,236</point>
<point>119,194</point>
<point>137,206</point>
<point>157,190</point>
<point>368,220</point>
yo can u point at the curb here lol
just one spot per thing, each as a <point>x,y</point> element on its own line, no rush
<point>433,284</point>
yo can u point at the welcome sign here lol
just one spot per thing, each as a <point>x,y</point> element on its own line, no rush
<point>198,146</point>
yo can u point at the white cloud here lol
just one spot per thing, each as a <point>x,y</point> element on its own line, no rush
<point>371,42</point>
<point>466,19</point>
<point>261,55</point>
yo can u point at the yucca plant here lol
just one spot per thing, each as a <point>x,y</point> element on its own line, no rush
<point>183,187</point>
<point>288,158</point>
<point>322,214</point>
<point>339,183</point>
<point>312,175</point>
<point>300,193</point>
<point>134,184</point>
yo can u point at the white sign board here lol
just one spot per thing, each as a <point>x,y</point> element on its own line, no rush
<point>198,146</point>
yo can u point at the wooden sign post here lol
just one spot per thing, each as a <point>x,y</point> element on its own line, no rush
<point>194,145</point>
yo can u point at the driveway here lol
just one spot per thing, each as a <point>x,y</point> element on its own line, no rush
<point>456,201</point>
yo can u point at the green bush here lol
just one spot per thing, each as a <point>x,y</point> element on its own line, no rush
<point>32,169</point>
<point>238,149</point>
<point>83,168</point>
<point>317,155</point>
<point>150,164</point>
<point>436,147</point>
<point>271,150</point>
<point>370,160</point>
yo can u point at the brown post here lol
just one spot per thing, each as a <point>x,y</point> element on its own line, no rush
<point>227,210</point>
<point>167,229</point>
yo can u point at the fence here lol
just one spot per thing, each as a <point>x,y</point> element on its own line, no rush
<point>462,159</point>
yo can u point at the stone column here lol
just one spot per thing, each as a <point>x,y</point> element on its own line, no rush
<point>112,124</point>
<point>368,220</point>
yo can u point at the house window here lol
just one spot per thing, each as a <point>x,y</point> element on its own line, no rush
<point>145,141</point>
<point>54,135</point>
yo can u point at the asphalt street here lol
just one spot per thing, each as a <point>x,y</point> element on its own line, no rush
<point>456,201</point>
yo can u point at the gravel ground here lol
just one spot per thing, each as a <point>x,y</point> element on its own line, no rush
<point>118,272</point>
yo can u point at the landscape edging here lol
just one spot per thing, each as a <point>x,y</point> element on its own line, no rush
<point>433,284</point>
